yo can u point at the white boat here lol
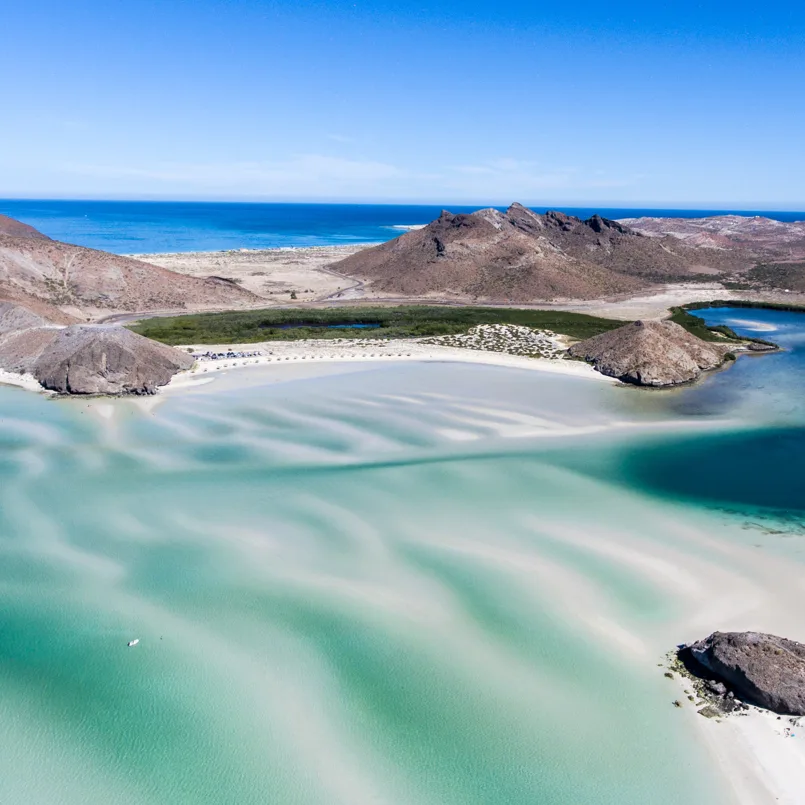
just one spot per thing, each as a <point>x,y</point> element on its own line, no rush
<point>134,642</point>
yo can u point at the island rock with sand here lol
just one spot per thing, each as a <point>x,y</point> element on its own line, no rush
<point>762,669</point>
<point>106,360</point>
<point>86,359</point>
<point>650,353</point>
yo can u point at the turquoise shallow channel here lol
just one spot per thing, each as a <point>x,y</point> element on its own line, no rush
<point>405,584</point>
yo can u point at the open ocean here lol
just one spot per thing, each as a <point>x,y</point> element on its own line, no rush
<point>131,227</point>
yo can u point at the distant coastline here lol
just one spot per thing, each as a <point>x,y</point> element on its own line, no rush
<point>154,227</point>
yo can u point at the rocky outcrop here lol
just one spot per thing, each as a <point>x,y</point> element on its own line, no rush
<point>521,256</point>
<point>85,359</point>
<point>762,669</point>
<point>105,360</point>
<point>650,353</point>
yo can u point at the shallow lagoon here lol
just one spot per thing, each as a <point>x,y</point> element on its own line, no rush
<point>398,584</point>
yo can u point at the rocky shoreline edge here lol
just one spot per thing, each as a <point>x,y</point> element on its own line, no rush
<point>735,673</point>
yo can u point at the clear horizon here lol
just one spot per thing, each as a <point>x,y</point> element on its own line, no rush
<point>385,102</point>
<point>581,205</point>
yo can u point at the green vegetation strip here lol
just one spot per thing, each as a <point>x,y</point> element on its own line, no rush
<point>410,321</point>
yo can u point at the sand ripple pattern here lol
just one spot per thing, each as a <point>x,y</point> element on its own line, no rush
<point>395,595</point>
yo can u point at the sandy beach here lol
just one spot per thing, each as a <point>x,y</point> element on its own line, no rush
<point>27,382</point>
<point>282,353</point>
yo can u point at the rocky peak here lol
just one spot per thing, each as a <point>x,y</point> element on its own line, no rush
<point>561,221</point>
<point>491,216</point>
<point>525,219</point>
<point>599,224</point>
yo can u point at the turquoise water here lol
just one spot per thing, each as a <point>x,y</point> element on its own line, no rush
<point>759,470</point>
<point>408,584</point>
<point>126,227</point>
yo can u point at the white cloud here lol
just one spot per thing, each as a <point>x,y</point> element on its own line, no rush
<point>312,176</point>
<point>304,173</point>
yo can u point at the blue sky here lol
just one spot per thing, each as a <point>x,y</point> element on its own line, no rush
<point>692,104</point>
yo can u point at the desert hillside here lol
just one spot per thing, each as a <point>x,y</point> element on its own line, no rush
<point>58,280</point>
<point>763,237</point>
<point>521,256</point>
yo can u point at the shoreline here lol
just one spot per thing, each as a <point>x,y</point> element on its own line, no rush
<point>758,760</point>
<point>283,353</point>
<point>22,381</point>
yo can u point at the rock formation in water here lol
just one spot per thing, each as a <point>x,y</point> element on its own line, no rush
<point>86,359</point>
<point>762,669</point>
<point>650,353</point>
<point>519,255</point>
<point>47,276</point>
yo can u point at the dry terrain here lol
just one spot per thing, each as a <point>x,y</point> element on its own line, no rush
<point>281,276</point>
<point>762,237</point>
<point>520,256</point>
<point>62,282</point>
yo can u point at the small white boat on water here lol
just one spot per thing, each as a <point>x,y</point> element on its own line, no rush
<point>133,642</point>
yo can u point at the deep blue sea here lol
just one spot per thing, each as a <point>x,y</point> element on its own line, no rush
<point>131,227</point>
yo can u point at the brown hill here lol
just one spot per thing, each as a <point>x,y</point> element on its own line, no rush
<point>650,353</point>
<point>521,256</point>
<point>17,229</point>
<point>762,237</point>
<point>44,275</point>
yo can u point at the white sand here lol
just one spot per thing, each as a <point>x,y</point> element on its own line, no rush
<point>763,758</point>
<point>27,382</point>
<point>282,353</point>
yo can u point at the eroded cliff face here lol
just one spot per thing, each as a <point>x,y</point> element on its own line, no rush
<point>650,353</point>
